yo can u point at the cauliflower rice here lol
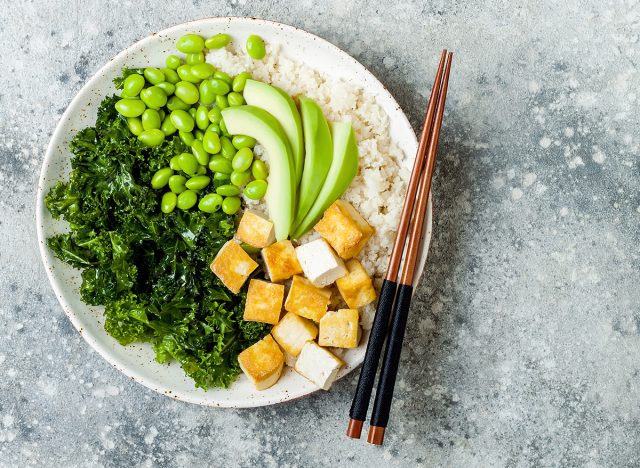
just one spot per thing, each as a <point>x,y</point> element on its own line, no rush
<point>378,190</point>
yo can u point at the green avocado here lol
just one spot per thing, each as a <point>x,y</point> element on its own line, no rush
<point>281,193</point>
<point>279,104</point>
<point>318,149</point>
<point>344,168</point>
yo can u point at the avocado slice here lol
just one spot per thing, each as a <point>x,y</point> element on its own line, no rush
<point>344,168</point>
<point>281,193</point>
<point>318,147</point>
<point>279,104</point>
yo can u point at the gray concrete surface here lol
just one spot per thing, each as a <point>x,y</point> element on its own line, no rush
<point>523,346</point>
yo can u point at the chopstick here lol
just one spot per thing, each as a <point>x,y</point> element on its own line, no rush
<point>386,383</point>
<point>377,336</point>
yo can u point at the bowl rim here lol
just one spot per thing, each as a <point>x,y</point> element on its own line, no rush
<point>48,258</point>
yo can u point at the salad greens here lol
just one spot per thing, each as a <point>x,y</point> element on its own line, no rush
<point>149,269</point>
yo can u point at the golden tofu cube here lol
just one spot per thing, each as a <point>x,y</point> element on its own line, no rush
<point>233,266</point>
<point>318,365</point>
<point>306,300</point>
<point>340,329</point>
<point>281,261</point>
<point>293,332</point>
<point>344,228</point>
<point>255,230</point>
<point>356,287</point>
<point>264,302</point>
<point>262,362</point>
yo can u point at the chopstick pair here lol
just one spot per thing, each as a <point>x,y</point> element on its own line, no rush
<point>396,295</point>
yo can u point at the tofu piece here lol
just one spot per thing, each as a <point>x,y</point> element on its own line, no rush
<point>264,302</point>
<point>340,329</point>
<point>293,332</point>
<point>344,228</point>
<point>318,365</point>
<point>233,266</point>
<point>281,261</point>
<point>367,315</point>
<point>262,362</point>
<point>289,360</point>
<point>320,263</point>
<point>307,301</point>
<point>356,287</point>
<point>255,230</point>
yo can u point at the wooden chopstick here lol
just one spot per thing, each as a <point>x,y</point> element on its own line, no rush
<point>378,334</point>
<point>386,383</point>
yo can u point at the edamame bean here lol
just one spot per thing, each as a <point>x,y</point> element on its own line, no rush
<point>153,75</point>
<point>215,115</point>
<point>231,205</point>
<point>203,70</point>
<point>133,84</point>
<point>220,75</point>
<point>218,41</point>
<point>256,189</point>
<point>210,203</point>
<point>198,182</point>
<point>135,125</point>
<point>235,99</point>
<point>167,126</point>
<point>198,151</point>
<point>221,101</point>
<point>242,160</point>
<point>130,107</point>
<point>173,62</point>
<point>259,170</point>
<point>240,81</point>
<point>177,183</point>
<point>207,96</point>
<point>152,137</point>
<point>195,59</point>
<point>243,141</point>
<point>186,137</point>
<point>202,118</point>
<point>170,75</point>
<point>192,113</point>
<point>186,200</point>
<point>211,142</point>
<point>199,134</point>
<point>188,92</point>
<point>220,164</point>
<point>223,128</point>
<point>190,44</point>
<point>167,87</point>
<point>202,170</point>
<point>174,163</point>
<point>151,119</point>
<point>162,114</point>
<point>153,97</point>
<point>255,47</point>
<point>220,176</point>
<point>175,103</point>
<point>184,72</point>
<point>168,202</point>
<point>227,148</point>
<point>182,120</point>
<point>239,178</point>
<point>188,163</point>
<point>228,191</point>
<point>161,178</point>
<point>214,128</point>
<point>220,87</point>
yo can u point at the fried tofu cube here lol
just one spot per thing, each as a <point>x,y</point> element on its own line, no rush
<point>318,365</point>
<point>356,287</point>
<point>289,360</point>
<point>264,302</point>
<point>344,228</point>
<point>292,332</point>
<point>281,261</point>
<point>262,362</point>
<point>320,263</point>
<point>307,301</point>
<point>340,329</point>
<point>233,266</point>
<point>255,230</point>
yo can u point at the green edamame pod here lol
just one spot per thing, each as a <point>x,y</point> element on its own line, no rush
<point>242,160</point>
<point>255,47</point>
<point>197,148</point>
<point>151,119</point>
<point>218,41</point>
<point>228,190</point>
<point>130,107</point>
<point>188,163</point>
<point>202,118</point>
<point>210,203</point>
<point>177,183</point>
<point>231,205</point>
<point>133,84</point>
<point>220,164</point>
<point>259,170</point>
<point>239,179</point>
<point>186,200</point>
<point>198,182</point>
<point>256,189</point>
<point>190,44</point>
<point>161,178</point>
<point>182,120</point>
<point>228,150</point>
<point>153,75</point>
<point>207,96</point>
<point>152,137</point>
<point>168,202</point>
<point>211,142</point>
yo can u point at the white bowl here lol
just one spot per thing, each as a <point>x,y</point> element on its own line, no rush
<point>137,360</point>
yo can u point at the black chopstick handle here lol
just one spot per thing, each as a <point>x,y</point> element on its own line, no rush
<point>378,334</point>
<point>387,382</point>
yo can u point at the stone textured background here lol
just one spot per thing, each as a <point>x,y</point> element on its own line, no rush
<point>523,346</point>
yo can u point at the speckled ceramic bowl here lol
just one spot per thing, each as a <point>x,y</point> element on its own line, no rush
<point>136,361</point>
